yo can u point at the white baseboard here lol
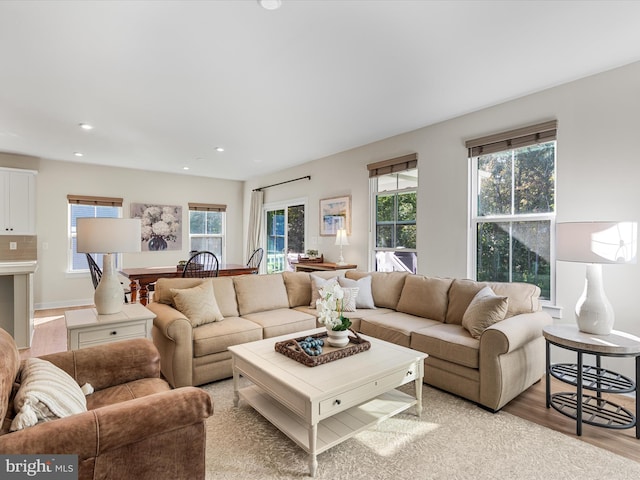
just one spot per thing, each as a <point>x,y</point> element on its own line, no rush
<point>64,304</point>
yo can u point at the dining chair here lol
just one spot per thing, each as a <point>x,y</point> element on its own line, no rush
<point>202,264</point>
<point>96,275</point>
<point>255,259</point>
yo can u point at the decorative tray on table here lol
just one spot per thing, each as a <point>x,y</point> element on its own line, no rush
<point>292,349</point>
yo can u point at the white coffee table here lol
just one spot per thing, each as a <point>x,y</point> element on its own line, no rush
<point>319,407</point>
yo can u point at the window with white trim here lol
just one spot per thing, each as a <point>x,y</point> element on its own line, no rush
<point>394,186</point>
<point>513,207</point>
<point>207,225</point>
<point>81,206</point>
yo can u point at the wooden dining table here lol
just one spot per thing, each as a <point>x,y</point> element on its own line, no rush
<point>140,278</point>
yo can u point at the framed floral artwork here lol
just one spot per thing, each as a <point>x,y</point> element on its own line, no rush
<point>161,226</point>
<point>335,213</point>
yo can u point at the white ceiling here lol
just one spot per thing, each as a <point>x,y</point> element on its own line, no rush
<point>165,82</point>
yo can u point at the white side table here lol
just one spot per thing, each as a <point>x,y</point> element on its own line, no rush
<point>85,328</point>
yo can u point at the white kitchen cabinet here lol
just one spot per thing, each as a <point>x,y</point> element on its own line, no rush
<point>17,201</point>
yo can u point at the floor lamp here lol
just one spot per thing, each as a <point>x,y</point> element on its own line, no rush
<point>108,236</point>
<point>596,243</point>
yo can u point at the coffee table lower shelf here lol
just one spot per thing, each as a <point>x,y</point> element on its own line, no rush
<point>332,430</point>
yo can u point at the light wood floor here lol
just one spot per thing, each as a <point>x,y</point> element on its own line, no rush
<point>51,336</point>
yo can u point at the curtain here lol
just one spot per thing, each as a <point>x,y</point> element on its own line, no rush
<point>255,223</point>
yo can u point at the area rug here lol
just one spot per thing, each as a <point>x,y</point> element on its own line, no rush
<point>454,439</point>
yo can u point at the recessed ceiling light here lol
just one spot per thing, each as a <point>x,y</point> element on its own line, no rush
<point>219,149</point>
<point>185,168</point>
<point>270,4</point>
<point>85,126</point>
<point>78,154</point>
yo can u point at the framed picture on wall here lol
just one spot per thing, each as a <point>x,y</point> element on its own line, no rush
<point>161,226</point>
<point>335,213</point>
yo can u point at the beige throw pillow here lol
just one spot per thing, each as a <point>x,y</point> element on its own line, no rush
<point>198,303</point>
<point>485,309</point>
<point>365,297</point>
<point>316,284</point>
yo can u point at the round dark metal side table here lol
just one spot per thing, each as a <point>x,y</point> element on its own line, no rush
<point>593,410</point>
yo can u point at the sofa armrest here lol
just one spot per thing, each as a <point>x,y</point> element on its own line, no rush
<point>173,336</point>
<point>511,357</point>
<point>513,332</point>
<point>172,323</point>
<point>115,426</point>
<point>111,364</point>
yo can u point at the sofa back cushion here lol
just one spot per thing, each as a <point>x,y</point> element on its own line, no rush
<point>385,286</point>
<point>425,297</point>
<point>9,368</point>
<point>523,297</point>
<point>225,293</point>
<point>260,293</point>
<point>298,285</point>
<point>223,290</point>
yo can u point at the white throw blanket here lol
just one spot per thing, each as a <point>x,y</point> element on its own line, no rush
<point>46,393</point>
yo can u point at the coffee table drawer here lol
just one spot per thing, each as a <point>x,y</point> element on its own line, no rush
<point>365,392</point>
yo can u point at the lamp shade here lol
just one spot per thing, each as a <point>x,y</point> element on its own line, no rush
<point>108,235</point>
<point>597,242</point>
<point>341,237</point>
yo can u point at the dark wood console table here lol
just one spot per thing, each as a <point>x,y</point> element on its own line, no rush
<point>314,267</point>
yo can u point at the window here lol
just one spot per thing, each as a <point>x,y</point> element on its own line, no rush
<point>513,207</point>
<point>394,184</point>
<point>207,223</point>
<point>95,207</point>
<point>285,235</point>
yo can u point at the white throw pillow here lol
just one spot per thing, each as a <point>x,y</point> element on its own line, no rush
<point>198,303</point>
<point>316,284</point>
<point>485,309</point>
<point>365,296</point>
<point>46,393</point>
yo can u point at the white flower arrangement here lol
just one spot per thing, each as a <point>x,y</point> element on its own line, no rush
<point>330,307</point>
<point>161,222</point>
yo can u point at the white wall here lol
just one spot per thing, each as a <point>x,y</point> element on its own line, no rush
<point>598,178</point>
<point>53,286</point>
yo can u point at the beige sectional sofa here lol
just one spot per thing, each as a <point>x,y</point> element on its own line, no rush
<point>416,311</point>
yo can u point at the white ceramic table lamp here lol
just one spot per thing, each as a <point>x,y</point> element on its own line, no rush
<point>108,236</point>
<point>596,243</point>
<point>341,239</point>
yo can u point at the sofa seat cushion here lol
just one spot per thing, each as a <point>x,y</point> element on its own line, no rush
<point>260,293</point>
<point>394,327</point>
<point>282,321</point>
<point>385,286</point>
<point>125,392</point>
<point>449,342</point>
<point>216,337</point>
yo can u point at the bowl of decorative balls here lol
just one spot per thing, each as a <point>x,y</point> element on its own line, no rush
<point>311,346</point>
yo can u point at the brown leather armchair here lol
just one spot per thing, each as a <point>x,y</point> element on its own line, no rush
<point>136,427</point>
